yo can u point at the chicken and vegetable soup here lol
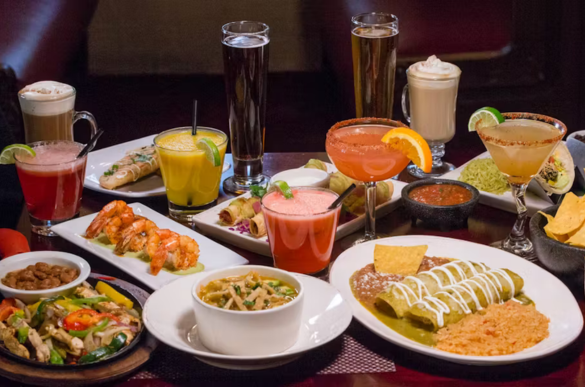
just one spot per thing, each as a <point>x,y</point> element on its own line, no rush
<point>248,292</point>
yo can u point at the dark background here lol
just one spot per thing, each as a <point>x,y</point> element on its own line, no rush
<point>515,56</point>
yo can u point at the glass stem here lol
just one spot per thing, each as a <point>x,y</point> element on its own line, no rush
<point>370,211</point>
<point>519,192</point>
<point>438,151</point>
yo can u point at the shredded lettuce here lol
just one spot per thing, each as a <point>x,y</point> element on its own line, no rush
<point>484,175</point>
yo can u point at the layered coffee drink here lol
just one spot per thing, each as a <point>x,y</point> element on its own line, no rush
<point>47,111</point>
<point>432,93</point>
<point>432,86</point>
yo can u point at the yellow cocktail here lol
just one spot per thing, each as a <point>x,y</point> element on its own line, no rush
<point>191,179</point>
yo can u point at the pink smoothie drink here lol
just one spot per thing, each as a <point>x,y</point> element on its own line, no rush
<point>301,230</point>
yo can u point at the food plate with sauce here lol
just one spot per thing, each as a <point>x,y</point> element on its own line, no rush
<point>536,198</point>
<point>208,223</point>
<point>102,160</point>
<point>212,256</point>
<point>550,296</point>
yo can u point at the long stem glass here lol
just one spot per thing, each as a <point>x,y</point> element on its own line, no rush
<point>356,148</point>
<point>520,146</point>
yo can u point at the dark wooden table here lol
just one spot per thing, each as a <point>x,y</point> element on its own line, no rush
<point>486,225</point>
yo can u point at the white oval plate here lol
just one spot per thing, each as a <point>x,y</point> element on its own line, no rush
<point>550,295</point>
<point>168,315</point>
<point>101,160</point>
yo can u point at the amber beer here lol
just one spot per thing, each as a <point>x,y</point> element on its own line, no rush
<point>245,53</point>
<point>374,39</point>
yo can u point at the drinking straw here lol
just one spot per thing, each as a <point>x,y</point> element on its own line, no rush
<point>90,144</point>
<point>341,197</point>
<point>194,128</point>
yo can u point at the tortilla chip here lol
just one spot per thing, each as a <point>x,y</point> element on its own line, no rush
<point>569,216</point>
<point>578,239</point>
<point>403,260</point>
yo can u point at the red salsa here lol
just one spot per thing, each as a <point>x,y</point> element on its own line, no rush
<point>441,194</point>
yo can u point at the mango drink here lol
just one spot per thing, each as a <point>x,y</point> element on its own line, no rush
<point>191,180</point>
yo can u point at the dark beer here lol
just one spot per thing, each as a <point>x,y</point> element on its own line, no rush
<point>246,68</point>
<point>374,65</point>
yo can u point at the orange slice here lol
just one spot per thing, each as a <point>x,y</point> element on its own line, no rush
<point>412,145</point>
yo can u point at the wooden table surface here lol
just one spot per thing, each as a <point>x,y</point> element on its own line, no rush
<point>486,225</point>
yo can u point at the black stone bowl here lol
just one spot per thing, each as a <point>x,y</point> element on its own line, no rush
<point>563,260</point>
<point>443,217</point>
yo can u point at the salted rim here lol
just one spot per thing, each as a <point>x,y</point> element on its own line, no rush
<point>528,116</point>
<point>336,141</point>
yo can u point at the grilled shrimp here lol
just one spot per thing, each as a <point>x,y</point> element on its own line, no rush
<point>167,248</point>
<point>135,236</point>
<point>111,219</point>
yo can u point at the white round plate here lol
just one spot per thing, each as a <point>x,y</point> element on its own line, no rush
<point>551,296</point>
<point>168,315</point>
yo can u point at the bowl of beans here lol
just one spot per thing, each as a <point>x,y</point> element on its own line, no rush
<point>41,274</point>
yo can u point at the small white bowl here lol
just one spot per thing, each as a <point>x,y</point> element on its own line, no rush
<point>572,135</point>
<point>253,333</point>
<point>303,177</point>
<point>21,261</point>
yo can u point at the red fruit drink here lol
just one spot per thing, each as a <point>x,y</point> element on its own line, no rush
<point>301,230</point>
<point>52,182</point>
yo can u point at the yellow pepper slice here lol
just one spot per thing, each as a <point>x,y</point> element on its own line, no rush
<point>67,305</point>
<point>117,297</point>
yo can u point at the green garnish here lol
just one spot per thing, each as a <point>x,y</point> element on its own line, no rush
<point>258,190</point>
<point>249,303</point>
<point>108,173</point>
<point>143,158</point>
<point>112,170</point>
<point>237,289</point>
<point>258,284</point>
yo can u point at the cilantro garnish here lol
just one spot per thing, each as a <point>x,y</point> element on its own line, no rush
<point>258,190</point>
<point>237,289</point>
<point>249,303</point>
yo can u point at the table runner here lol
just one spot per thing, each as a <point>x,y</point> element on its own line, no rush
<point>357,351</point>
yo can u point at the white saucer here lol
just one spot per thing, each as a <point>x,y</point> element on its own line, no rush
<point>168,315</point>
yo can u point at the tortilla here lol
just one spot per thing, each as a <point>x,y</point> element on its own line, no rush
<point>403,260</point>
<point>578,239</point>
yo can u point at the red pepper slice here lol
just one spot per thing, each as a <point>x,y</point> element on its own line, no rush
<point>83,319</point>
<point>7,312</point>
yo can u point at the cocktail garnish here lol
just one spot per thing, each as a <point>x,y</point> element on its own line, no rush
<point>484,117</point>
<point>284,189</point>
<point>8,153</point>
<point>412,145</point>
<point>211,151</point>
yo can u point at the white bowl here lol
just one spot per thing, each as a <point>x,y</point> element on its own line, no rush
<point>262,332</point>
<point>303,177</point>
<point>581,132</point>
<point>21,261</point>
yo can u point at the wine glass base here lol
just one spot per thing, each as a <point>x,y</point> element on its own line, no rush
<point>523,249</point>
<point>242,185</point>
<point>435,172</point>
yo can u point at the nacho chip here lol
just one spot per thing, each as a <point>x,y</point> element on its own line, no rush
<point>403,260</point>
<point>578,239</point>
<point>569,216</point>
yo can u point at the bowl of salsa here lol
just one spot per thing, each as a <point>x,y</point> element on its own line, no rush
<point>439,202</point>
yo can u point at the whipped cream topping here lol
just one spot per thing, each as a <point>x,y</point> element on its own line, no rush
<point>46,91</point>
<point>434,68</point>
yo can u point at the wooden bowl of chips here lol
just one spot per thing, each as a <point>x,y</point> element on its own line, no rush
<point>561,258</point>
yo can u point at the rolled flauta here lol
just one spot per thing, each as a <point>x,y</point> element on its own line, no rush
<point>237,211</point>
<point>400,296</point>
<point>136,164</point>
<point>453,303</point>
<point>257,225</point>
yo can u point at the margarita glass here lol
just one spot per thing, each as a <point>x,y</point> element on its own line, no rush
<point>356,148</point>
<point>520,146</point>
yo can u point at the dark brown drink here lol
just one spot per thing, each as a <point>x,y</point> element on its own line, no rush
<point>374,63</point>
<point>46,128</point>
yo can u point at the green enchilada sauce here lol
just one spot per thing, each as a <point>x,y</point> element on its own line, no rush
<point>102,240</point>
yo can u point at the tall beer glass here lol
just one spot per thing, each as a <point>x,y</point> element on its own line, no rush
<point>374,39</point>
<point>245,58</point>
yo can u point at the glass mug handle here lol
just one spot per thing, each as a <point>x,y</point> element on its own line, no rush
<point>404,109</point>
<point>86,116</point>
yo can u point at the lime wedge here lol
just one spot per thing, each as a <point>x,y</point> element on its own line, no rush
<point>485,117</point>
<point>8,153</point>
<point>284,189</point>
<point>211,151</point>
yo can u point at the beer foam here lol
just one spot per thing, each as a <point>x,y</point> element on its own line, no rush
<point>46,98</point>
<point>434,68</point>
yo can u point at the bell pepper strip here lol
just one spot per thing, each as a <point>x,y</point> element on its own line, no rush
<point>98,328</point>
<point>38,316</point>
<point>7,312</point>
<point>55,357</point>
<point>15,317</point>
<point>88,301</point>
<point>83,319</point>
<point>68,306</point>
<point>117,297</point>
<point>102,352</point>
<point>23,334</point>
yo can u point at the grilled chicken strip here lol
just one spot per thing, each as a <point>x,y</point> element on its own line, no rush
<point>7,335</point>
<point>75,344</point>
